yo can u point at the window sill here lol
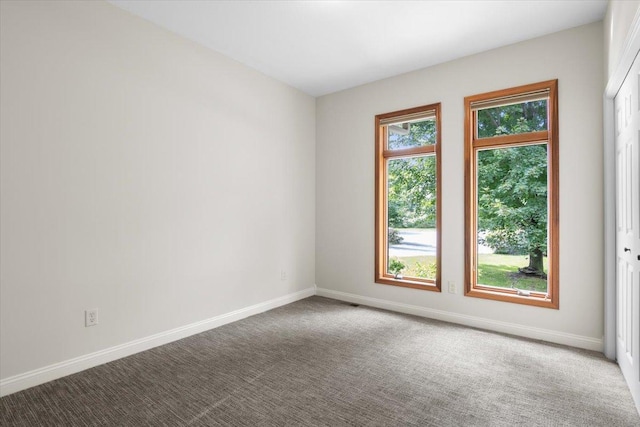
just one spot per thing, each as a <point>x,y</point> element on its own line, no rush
<point>409,283</point>
<point>511,296</point>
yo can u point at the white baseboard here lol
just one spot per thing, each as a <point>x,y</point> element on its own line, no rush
<point>48,373</point>
<point>72,366</point>
<point>476,322</point>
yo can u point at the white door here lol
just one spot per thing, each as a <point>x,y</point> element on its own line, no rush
<point>627,149</point>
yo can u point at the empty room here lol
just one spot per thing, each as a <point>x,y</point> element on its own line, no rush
<point>319,213</point>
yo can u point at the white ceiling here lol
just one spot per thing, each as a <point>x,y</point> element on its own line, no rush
<point>321,47</point>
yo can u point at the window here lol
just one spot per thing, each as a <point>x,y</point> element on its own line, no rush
<point>511,195</point>
<point>408,198</point>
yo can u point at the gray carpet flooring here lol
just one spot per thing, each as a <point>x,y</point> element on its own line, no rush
<point>320,362</point>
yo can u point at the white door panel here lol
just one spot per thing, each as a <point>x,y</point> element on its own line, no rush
<point>627,149</point>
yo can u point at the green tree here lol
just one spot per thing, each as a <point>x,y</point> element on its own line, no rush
<point>512,185</point>
<point>412,181</point>
<point>510,119</point>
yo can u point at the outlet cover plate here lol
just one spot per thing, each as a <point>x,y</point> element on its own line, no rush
<point>91,317</point>
<point>452,287</point>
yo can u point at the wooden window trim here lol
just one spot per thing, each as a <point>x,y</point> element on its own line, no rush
<point>381,220</point>
<point>512,140</point>
<point>472,144</point>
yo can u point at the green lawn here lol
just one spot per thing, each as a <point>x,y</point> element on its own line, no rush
<point>493,270</point>
<point>417,266</point>
<point>501,271</point>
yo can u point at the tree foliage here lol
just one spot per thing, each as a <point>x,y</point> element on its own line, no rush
<point>511,119</point>
<point>512,199</point>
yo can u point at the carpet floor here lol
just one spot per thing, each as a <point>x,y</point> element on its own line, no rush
<point>320,362</point>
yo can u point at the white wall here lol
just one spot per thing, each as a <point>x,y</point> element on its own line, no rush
<point>617,25</point>
<point>345,183</point>
<point>141,174</point>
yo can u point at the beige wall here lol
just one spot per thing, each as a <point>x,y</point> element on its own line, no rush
<point>345,183</point>
<point>617,24</point>
<point>143,175</point>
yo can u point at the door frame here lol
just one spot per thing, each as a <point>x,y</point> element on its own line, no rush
<point>631,49</point>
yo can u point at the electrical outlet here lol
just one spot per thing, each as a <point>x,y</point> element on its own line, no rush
<point>91,317</point>
<point>283,275</point>
<point>452,287</point>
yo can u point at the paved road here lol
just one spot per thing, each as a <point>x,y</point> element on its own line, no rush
<point>420,242</point>
<point>416,242</point>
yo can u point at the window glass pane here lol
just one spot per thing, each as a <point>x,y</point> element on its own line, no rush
<point>524,117</point>
<point>409,134</point>
<point>512,217</point>
<point>411,209</point>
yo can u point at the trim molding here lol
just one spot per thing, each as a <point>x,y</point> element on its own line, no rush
<point>57,370</point>
<point>609,198</point>
<point>629,52</point>
<point>476,322</point>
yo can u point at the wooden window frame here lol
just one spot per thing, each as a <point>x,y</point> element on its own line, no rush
<point>472,145</point>
<point>383,154</point>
